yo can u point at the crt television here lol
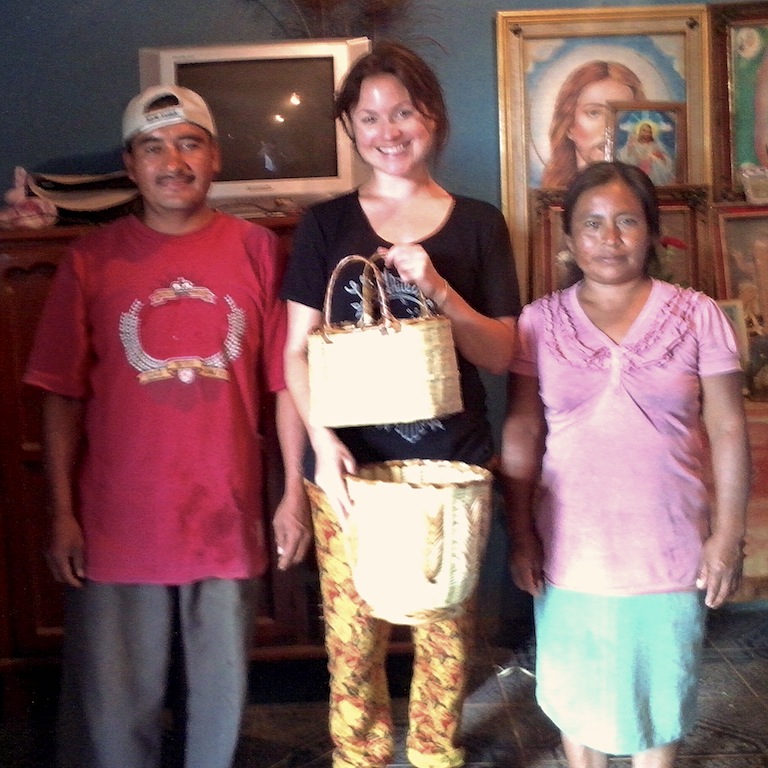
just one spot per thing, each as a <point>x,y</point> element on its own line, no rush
<point>273,107</point>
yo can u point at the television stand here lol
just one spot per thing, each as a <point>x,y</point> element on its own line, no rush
<point>257,207</point>
<point>261,206</point>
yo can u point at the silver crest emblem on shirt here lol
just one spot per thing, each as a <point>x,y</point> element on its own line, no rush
<point>188,367</point>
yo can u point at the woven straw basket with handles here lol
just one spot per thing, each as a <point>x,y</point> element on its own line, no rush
<point>381,369</point>
<point>416,536</point>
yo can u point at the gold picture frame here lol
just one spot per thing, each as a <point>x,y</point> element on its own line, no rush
<point>739,55</point>
<point>651,135</point>
<point>741,241</point>
<point>540,51</point>
<point>740,234</point>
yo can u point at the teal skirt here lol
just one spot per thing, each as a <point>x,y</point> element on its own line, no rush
<point>619,674</point>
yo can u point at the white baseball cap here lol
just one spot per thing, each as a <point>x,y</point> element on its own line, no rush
<point>181,105</point>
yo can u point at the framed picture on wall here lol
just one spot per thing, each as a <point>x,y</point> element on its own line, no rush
<point>741,238</point>
<point>551,269</point>
<point>651,135</point>
<point>739,54</point>
<point>680,250</point>
<point>558,69</point>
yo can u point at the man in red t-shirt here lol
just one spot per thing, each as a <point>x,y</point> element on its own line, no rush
<point>158,339</point>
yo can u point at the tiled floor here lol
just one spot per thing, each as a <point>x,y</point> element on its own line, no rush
<point>285,726</point>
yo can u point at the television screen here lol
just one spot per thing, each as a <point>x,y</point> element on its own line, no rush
<point>274,116</point>
<point>273,106</point>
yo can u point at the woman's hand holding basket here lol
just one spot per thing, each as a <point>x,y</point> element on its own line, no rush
<point>333,462</point>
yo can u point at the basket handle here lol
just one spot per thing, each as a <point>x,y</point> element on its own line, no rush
<point>371,277</point>
<point>424,308</point>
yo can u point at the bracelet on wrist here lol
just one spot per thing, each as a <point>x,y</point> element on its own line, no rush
<point>440,299</point>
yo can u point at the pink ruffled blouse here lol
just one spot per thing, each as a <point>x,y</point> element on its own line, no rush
<point>623,507</point>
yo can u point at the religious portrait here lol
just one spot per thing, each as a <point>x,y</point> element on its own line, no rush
<point>739,52</point>
<point>570,84</point>
<point>750,95</point>
<point>743,241</point>
<point>650,135</point>
<point>558,72</point>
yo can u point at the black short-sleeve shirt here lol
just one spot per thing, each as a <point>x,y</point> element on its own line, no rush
<point>471,250</point>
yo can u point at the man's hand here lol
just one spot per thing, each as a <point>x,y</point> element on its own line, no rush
<point>293,529</point>
<point>65,551</point>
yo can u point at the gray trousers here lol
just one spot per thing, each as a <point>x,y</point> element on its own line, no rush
<point>117,654</point>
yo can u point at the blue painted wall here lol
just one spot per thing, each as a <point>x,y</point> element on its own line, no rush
<point>69,67</point>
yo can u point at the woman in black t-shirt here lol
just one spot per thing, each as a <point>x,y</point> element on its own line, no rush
<point>456,251</point>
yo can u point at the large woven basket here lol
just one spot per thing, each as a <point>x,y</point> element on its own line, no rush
<point>416,536</point>
<point>381,370</point>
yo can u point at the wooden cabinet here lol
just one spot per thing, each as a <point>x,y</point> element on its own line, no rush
<point>30,604</point>
<point>288,622</point>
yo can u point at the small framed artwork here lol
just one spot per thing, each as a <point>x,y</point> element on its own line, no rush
<point>552,267</point>
<point>652,136</point>
<point>734,311</point>
<point>679,251</point>
<point>741,239</point>
<point>739,100</point>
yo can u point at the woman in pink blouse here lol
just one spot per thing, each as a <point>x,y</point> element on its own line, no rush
<point>624,388</point>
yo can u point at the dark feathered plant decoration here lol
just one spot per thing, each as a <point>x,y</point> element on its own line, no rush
<point>336,18</point>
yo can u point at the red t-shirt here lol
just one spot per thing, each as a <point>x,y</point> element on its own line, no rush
<point>169,340</point>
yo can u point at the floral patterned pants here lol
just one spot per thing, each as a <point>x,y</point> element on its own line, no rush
<point>360,714</point>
